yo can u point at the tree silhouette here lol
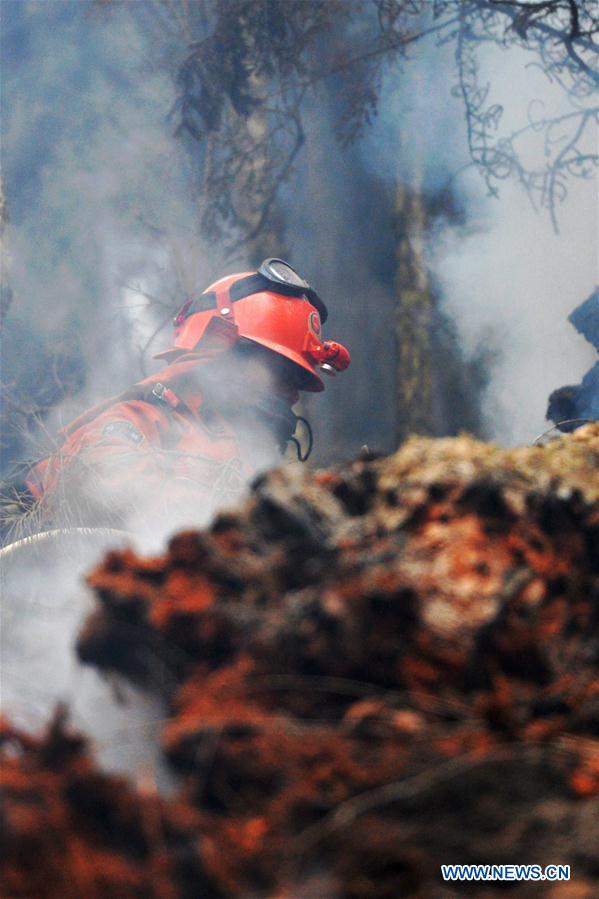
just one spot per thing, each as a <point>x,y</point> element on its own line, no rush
<point>246,69</point>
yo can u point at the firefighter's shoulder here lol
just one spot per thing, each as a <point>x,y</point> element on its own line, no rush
<point>132,423</point>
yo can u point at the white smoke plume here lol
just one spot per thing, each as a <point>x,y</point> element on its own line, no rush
<point>514,277</point>
<point>507,279</point>
<point>104,244</point>
<point>515,282</point>
<point>44,605</point>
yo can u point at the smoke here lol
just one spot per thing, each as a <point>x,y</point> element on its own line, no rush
<point>103,233</point>
<point>77,146</point>
<point>104,246</point>
<point>507,279</point>
<point>517,281</point>
<point>44,605</point>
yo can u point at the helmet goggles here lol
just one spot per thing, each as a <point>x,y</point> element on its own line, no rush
<point>274,275</point>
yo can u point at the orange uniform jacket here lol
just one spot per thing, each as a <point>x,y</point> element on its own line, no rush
<point>158,449</point>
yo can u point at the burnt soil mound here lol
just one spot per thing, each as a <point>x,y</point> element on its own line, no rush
<point>367,673</point>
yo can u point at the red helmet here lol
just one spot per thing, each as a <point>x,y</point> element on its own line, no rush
<point>273,307</point>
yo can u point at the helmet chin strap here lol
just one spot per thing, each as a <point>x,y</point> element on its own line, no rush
<point>277,415</point>
<point>236,399</point>
<point>303,455</point>
<point>283,422</point>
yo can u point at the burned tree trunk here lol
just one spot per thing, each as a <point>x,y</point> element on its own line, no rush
<point>414,318</point>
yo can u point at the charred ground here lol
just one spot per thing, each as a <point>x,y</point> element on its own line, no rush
<point>367,672</point>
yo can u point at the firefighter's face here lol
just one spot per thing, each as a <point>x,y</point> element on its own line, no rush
<point>268,372</point>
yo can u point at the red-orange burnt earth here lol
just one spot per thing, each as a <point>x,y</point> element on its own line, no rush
<point>69,830</point>
<point>374,671</point>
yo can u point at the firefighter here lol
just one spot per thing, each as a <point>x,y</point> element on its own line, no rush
<point>180,443</point>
